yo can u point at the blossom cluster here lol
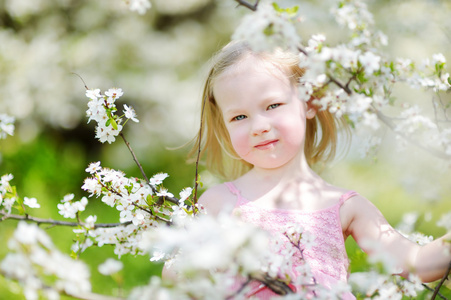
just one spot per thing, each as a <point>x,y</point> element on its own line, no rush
<point>141,206</point>
<point>220,254</point>
<point>39,266</point>
<point>9,198</point>
<point>376,285</point>
<point>269,27</point>
<point>102,109</point>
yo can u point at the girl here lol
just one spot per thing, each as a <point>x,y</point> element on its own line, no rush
<point>260,137</point>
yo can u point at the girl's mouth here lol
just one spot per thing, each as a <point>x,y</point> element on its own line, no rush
<point>268,144</point>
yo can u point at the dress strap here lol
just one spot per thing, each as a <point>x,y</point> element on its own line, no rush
<point>232,188</point>
<point>346,196</point>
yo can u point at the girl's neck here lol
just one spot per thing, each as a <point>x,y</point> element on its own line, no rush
<point>297,169</point>
<point>260,181</point>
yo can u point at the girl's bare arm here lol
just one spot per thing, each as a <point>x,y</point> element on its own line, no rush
<point>371,230</point>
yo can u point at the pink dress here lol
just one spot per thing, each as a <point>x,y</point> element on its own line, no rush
<point>327,259</point>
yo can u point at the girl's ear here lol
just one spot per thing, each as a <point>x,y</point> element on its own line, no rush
<point>311,110</point>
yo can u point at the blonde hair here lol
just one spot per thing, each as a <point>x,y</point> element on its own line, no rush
<point>213,138</point>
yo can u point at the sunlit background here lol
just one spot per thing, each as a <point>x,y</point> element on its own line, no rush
<point>160,60</point>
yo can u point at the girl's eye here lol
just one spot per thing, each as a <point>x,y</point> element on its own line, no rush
<point>272,106</point>
<point>238,118</point>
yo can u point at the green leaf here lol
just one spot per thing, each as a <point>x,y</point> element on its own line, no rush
<point>290,10</point>
<point>449,80</point>
<point>114,124</point>
<point>108,122</point>
<point>20,209</point>
<point>269,30</point>
<point>276,7</point>
<point>149,200</point>
<point>392,66</point>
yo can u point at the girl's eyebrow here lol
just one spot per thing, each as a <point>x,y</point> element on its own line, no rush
<point>233,111</point>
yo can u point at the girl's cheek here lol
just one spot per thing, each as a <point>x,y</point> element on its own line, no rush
<point>239,140</point>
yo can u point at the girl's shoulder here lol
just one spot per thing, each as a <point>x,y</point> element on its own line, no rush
<point>218,199</point>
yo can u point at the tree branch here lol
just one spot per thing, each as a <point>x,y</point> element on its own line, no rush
<point>444,278</point>
<point>134,157</point>
<point>40,221</point>
<point>341,85</point>
<point>152,213</point>
<point>277,286</point>
<point>170,199</point>
<point>246,4</point>
<point>300,49</point>
<point>431,290</point>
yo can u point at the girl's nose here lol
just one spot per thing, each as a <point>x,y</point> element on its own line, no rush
<point>260,125</point>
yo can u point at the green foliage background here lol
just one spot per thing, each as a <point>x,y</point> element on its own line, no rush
<point>110,46</point>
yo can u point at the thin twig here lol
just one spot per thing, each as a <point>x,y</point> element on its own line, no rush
<point>57,222</point>
<point>444,108</point>
<point>431,290</point>
<point>152,213</point>
<point>341,85</point>
<point>277,286</point>
<point>349,82</point>
<point>170,199</point>
<point>246,4</point>
<point>134,204</point>
<point>196,184</point>
<point>84,83</point>
<point>134,156</point>
<point>300,49</point>
<point>444,278</point>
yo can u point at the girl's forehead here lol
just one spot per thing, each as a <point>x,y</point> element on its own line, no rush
<point>252,63</point>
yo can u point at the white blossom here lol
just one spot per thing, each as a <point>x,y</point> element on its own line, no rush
<point>185,194</point>
<point>93,167</point>
<point>157,179</point>
<point>90,221</point>
<point>69,209</point>
<point>370,62</point>
<point>92,185</point>
<point>8,204</point>
<point>41,255</point>
<point>31,202</point>
<point>438,58</point>
<point>140,6</point>
<point>93,94</point>
<point>114,93</point>
<point>163,192</point>
<point>6,126</point>
<point>130,113</point>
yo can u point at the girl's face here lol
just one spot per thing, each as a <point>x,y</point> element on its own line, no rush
<point>262,113</point>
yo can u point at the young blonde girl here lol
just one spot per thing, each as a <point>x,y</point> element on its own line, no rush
<point>263,141</point>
